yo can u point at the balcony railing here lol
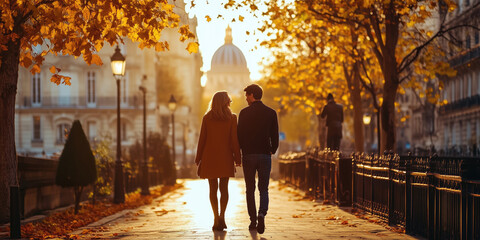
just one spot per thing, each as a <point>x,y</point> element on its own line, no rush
<point>79,102</point>
<point>465,57</point>
<point>461,104</point>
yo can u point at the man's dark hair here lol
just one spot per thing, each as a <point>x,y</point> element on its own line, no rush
<point>255,89</point>
<point>329,96</point>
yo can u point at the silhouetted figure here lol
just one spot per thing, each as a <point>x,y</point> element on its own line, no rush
<point>258,138</point>
<point>217,151</point>
<point>334,114</point>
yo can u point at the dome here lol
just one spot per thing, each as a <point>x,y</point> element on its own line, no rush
<point>229,54</point>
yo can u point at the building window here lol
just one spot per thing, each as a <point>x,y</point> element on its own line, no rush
<point>478,82</point>
<point>124,131</point>
<point>467,41</point>
<point>469,133</point>
<point>453,134</point>
<point>92,130</point>
<point>461,95</point>
<point>62,132</point>
<point>453,91</point>
<point>36,89</point>
<point>476,37</point>
<point>36,128</point>
<point>478,132</point>
<point>469,89</point>
<point>91,87</point>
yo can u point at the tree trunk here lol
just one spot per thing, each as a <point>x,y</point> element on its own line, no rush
<point>357,110</point>
<point>388,107</point>
<point>8,90</point>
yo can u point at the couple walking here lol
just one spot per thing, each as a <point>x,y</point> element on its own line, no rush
<point>218,152</point>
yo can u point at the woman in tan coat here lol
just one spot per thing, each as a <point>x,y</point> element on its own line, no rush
<point>218,152</point>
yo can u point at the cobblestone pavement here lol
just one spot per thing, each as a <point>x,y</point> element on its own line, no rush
<point>186,214</point>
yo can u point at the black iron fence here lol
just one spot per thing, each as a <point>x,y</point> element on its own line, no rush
<point>432,196</point>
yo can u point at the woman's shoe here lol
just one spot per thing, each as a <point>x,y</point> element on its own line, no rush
<point>221,223</point>
<point>216,226</point>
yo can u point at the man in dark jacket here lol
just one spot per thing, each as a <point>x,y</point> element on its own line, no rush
<point>334,114</point>
<point>258,137</point>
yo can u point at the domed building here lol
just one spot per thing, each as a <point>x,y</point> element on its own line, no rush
<point>228,70</point>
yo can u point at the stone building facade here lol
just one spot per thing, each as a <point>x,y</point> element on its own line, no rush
<point>44,111</point>
<point>459,119</point>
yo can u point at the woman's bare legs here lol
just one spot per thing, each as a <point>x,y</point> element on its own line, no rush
<point>223,200</point>
<point>213,183</point>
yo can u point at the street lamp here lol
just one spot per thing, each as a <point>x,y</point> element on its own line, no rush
<point>366,121</point>
<point>145,183</point>
<point>172,105</point>
<point>118,69</point>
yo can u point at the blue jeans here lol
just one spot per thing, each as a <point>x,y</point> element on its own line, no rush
<point>253,163</point>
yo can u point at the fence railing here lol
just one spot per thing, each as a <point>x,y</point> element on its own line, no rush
<point>432,196</point>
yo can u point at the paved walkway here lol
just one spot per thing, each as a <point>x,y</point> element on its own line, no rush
<point>186,214</point>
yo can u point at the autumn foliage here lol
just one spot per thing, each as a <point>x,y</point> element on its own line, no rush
<point>368,52</point>
<point>60,224</point>
<point>29,30</point>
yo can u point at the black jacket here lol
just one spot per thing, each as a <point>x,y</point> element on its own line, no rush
<point>258,129</point>
<point>334,114</point>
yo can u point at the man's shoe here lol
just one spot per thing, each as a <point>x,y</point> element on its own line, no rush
<point>252,226</point>
<point>261,224</point>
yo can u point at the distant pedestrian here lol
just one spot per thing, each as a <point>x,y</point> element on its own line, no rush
<point>218,152</point>
<point>334,114</point>
<point>258,138</point>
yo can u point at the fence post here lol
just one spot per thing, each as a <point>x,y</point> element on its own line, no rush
<point>354,170</point>
<point>408,194</point>
<point>309,172</point>
<point>15,229</point>
<point>431,198</point>
<point>467,168</point>
<point>390,188</point>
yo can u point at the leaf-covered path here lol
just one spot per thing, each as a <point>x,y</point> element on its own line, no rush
<point>186,214</point>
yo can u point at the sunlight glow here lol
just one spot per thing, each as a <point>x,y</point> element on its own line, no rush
<point>211,34</point>
<point>198,203</point>
<point>203,80</point>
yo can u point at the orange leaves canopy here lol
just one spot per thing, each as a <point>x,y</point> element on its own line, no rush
<point>80,28</point>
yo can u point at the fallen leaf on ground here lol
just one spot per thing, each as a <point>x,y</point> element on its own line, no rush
<point>331,217</point>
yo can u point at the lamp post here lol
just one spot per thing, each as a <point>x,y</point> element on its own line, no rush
<point>118,69</point>
<point>172,105</point>
<point>145,183</point>
<point>366,121</point>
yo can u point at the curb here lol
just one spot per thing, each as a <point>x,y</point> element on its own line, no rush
<point>116,216</point>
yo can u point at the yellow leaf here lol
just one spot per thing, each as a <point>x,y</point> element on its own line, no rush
<point>66,80</point>
<point>208,18</point>
<point>96,60</point>
<point>35,69</point>
<point>53,69</point>
<point>192,47</point>
<point>240,18</point>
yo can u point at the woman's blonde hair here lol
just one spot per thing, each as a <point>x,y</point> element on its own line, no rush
<point>219,107</point>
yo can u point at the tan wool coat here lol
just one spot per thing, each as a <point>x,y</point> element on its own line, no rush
<point>218,149</point>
